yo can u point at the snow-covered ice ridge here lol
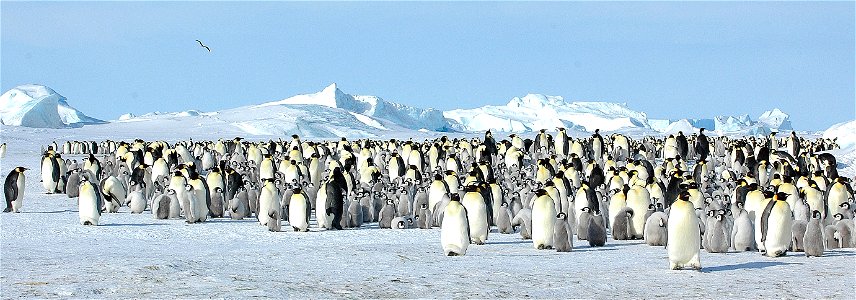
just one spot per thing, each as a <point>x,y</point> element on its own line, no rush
<point>39,106</point>
<point>370,116</point>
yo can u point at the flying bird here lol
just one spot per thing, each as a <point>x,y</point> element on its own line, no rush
<point>203,46</point>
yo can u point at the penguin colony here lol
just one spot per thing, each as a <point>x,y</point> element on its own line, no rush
<point>686,193</point>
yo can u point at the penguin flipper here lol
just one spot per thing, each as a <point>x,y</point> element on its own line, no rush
<point>764,220</point>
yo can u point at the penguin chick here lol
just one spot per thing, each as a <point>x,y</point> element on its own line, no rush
<point>562,234</point>
<point>620,226</point>
<point>596,230</point>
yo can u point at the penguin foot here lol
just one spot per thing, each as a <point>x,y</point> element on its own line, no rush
<point>8,209</point>
<point>541,247</point>
<point>452,254</point>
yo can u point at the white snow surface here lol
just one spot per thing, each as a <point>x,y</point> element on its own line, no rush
<point>46,254</point>
<point>39,106</point>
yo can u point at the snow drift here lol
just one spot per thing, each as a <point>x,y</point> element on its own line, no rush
<point>41,107</point>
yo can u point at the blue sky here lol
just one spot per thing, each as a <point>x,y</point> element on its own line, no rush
<point>668,59</point>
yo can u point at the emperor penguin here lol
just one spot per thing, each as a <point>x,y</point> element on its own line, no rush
<point>813,239</point>
<point>218,203</point>
<point>596,230</point>
<point>798,235</point>
<point>195,208</point>
<point>716,235</point>
<point>742,232</point>
<point>830,234</point>
<point>776,224</point>
<point>13,189</point>
<point>89,203</point>
<point>523,218</point>
<point>72,183</point>
<point>562,237</point>
<point>476,214</point>
<point>137,201</point>
<point>638,199</point>
<point>299,211</point>
<point>655,229</point>
<point>268,197</point>
<point>50,173</point>
<point>239,206</point>
<point>543,220</point>
<point>621,224</point>
<point>455,230</point>
<point>842,227</point>
<point>355,213</point>
<point>387,213</point>
<point>423,217</point>
<point>503,219</point>
<point>684,237</point>
<point>582,224</point>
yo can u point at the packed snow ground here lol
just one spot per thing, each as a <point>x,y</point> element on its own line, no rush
<point>45,253</point>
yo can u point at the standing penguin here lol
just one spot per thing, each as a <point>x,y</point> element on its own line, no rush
<point>798,235</point>
<point>562,237</point>
<point>655,229</point>
<point>524,220</point>
<point>50,173</point>
<point>423,217</point>
<point>476,215</point>
<point>72,184</point>
<point>503,219</point>
<point>239,206</point>
<point>776,224</point>
<point>813,239</point>
<point>743,232</point>
<point>716,235</point>
<point>387,213</point>
<point>684,237</point>
<point>299,211</point>
<point>455,230</point>
<point>13,189</point>
<point>336,190</point>
<point>596,230</point>
<point>543,220</point>
<point>88,203</point>
<point>583,222</point>
<point>217,206</point>
<point>621,224</point>
<point>137,201</point>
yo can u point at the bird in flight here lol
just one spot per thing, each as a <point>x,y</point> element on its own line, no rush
<point>203,46</point>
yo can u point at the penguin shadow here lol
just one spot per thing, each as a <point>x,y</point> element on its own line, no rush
<point>593,249</point>
<point>49,212</point>
<point>132,224</point>
<point>746,266</point>
<point>830,253</point>
<point>510,242</point>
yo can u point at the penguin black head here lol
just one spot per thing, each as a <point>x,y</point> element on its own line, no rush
<point>20,169</point>
<point>769,194</point>
<point>838,216</point>
<point>541,192</point>
<point>684,196</point>
<point>455,197</point>
<point>781,196</point>
<point>561,216</point>
<point>844,205</point>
